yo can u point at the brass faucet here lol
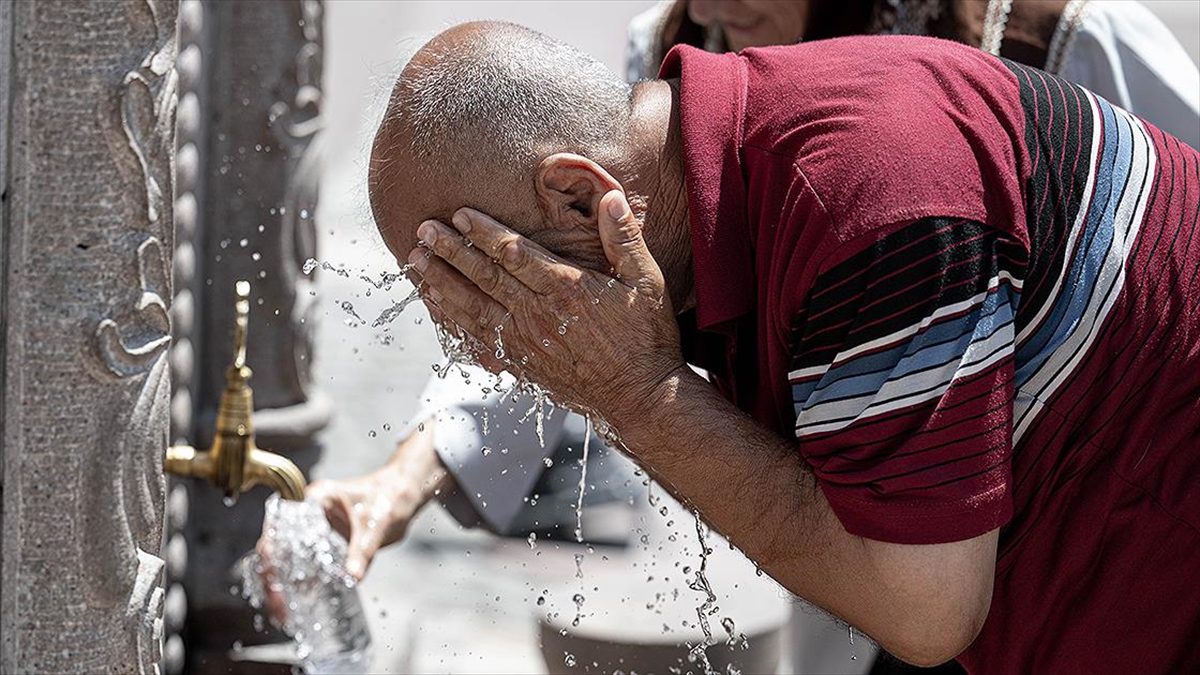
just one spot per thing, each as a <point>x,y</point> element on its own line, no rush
<point>234,463</point>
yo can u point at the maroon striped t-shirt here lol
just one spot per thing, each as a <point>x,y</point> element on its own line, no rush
<point>969,290</point>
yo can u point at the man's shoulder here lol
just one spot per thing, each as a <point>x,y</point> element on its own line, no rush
<point>886,130</point>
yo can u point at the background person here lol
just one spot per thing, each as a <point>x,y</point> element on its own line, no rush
<point>1115,48</point>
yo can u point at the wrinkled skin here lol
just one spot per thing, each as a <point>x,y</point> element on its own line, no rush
<point>564,326</point>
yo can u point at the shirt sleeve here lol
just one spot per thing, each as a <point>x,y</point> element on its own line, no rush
<point>486,434</point>
<point>902,381</point>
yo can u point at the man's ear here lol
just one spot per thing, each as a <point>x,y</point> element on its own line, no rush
<point>569,188</point>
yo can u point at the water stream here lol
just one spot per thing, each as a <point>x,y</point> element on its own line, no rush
<point>301,580</point>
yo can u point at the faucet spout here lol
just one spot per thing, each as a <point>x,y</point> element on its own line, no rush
<point>276,472</point>
<point>234,462</point>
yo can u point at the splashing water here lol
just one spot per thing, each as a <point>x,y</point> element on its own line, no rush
<point>348,308</point>
<point>385,282</point>
<point>587,435</point>
<point>499,342</point>
<point>323,613</point>
<point>736,639</point>
<point>540,427</point>
<point>459,351</point>
<point>706,609</point>
<point>578,599</point>
<point>312,264</point>
<point>391,313</point>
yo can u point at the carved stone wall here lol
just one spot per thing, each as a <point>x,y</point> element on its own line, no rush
<point>86,288</point>
<point>259,103</point>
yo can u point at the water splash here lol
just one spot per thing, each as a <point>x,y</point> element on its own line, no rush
<point>312,264</point>
<point>390,314</point>
<point>578,599</point>
<point>587,436</point>
<point>706,609</point>
<point>348,308</point>
<point>321,608</point>
<point>384,283</point>
<point>736,640</point>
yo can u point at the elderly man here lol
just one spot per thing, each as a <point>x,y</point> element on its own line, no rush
<point>925,281</point>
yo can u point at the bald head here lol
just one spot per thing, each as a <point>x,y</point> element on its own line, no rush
<point>474,116</point>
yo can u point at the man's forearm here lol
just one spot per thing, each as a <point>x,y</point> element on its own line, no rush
<point>753,486</point>
<point>415,469</point>
<point>747,482</point>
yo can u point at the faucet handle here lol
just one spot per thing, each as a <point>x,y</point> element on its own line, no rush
<point>234,462</point>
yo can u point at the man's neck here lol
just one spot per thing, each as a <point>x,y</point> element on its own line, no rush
<point>656,185</point>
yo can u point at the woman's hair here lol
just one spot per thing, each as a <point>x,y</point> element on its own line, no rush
<point>826,19</point>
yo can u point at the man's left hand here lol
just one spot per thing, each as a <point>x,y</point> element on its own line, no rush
<point>596,342</point>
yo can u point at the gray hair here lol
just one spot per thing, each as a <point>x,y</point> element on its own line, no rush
<point>508,99</point>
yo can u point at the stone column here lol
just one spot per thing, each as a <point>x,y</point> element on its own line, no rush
<point>258,103</point>
<point>87,99</point>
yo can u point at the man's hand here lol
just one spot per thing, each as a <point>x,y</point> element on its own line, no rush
<point>595,341</point>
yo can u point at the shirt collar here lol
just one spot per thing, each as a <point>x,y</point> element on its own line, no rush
<point>712,94</point>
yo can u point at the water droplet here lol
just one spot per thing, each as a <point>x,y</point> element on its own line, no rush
<point>569,661</point>
<point>562,329</point>
<point>244,243</point>
<point>532,540</point>
<point>486,451</point>
<point>541,600</point>
<point>548,462</point>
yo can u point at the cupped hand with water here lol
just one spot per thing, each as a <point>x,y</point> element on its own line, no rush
<point>602,343</point>
<point>370,511</point>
